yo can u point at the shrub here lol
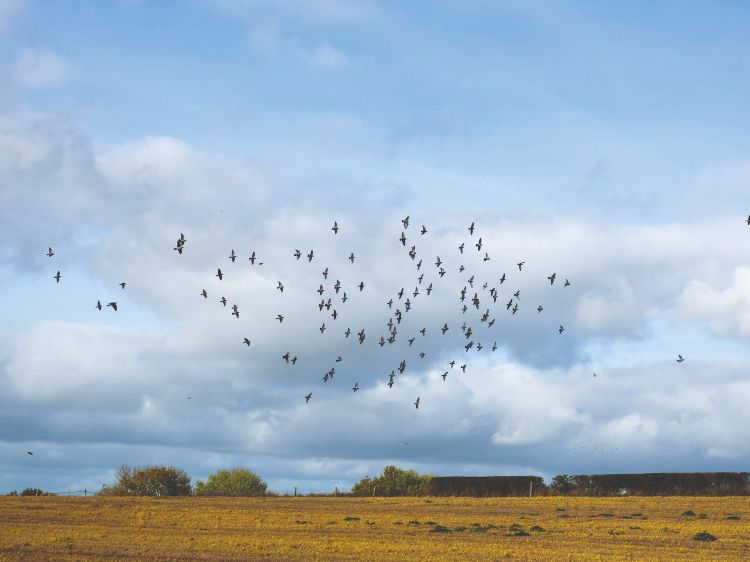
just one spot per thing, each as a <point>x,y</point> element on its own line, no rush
<point>154,481</point>
<point>233,482</point>
<point>704,536</point>
<point>393,482</point>
<point>32,492</point>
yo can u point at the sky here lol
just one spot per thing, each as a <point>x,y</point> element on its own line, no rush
<point>605,142</point>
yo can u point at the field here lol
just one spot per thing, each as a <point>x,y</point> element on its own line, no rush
<point>336,528</point>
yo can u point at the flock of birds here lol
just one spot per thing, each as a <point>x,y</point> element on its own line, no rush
<point>399,304</point>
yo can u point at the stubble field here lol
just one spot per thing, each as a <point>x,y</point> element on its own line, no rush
<point>336,528</point>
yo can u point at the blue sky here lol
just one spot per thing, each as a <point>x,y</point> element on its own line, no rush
<point>604,141</point>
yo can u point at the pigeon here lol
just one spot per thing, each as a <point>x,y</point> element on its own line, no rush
<point>748,223</point>
<point>294,360</point>
<point>56,277</point>
<point>232,256</point>
<point>280,287</point>
<point>444,375</point>
<point>561,329</point>
<point>113,305</point>
<point>335,227</point>
<point>323,328</point>
<point>351,257</point>
<point>220,275</point>
<point>405,222</point>
<point>471,229</point>
<point>567,283</point>
<point>680,358</point>
<point>122,285</point>
<point>310,256</point>
<point>98,305</point>
<point>246,342</point>
<point>50,253</point>
<point>280,318</point>
<point>297,254</point>
<point>520,265</point>
<point>355,388</point>
<point>403,239</point>
<point>361,286</point>
<point>502,279</point>
<point>539,308</point>
<point>285,357</point>
<point>252,258</point>
<point>479,244</point>
<point>30,453</point>
<point>204,294</point>
<point>307,397</point>
<point>424,230</point>
<point>461,248</point>
<point>444,328</point>
<point>417,403</point>
<point>552,278</point>
<point>223,301</point>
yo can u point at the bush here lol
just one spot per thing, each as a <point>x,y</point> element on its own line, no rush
<point>32,492</point>
<point>233,482</point>
<point>155,481</point>
<point>13,493</point>
<point>393,482</point>
<point>704,536</point>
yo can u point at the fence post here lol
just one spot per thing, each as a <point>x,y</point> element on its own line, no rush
<point>531,487</point>
<point>336,491</point>
<point>295,491</point>
<point>85,492</point>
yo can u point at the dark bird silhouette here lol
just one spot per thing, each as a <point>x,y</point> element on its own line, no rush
<point>417,403</point>
<point>502,279</point>
<point>323,328</point>
<point>479,244</point>
<point>307,397</point>
<point>390,383</point>
<point>334,314</point>
<point>338,359</point>
<point>335,227</point>
<point>113,305</point>
<point>390,303</point>
<point>321,289</point>
<point>452,364</point>
<point>494,346</point>
<point>57,276</point>
<point>30,453</point>
<point>444,328</point>
<point>252,258</point>
<point>680,358</point>
<point>444,375</point>
<point>517,294</point>
<point>355,388</point>
<point>232,256</point>
<point>50,253</point>
<point>220,275</point>
<point>285,357</point>
<point>520,265</point>
<point>297,254</point>
<point>280,318</point>
<point>539,308</point>
<point>486,257</point>
<point>419,265</point>
<point>246,342</point>
<point>463,367</point>
<point>461,248</point>
<point>405,222</point>
<point>429,289</point>
<point>471,229</point>
<point>122,285</point>
<point>403,239</point>
<point>561,329</point>
<point>567,283</point>
<point>361,286</point>
<point>351,257</point>
<point>236,313</point>
<point>294,360</point>
<point>343,299</point>
<point>422,354</point>
<point>204,294</point>
<point>348,332</point>
<point>747,221</point>
<point>424,230</point>
<point>552,278</point>
<point>98,305</point>
<point>510,303</point>
<point>223,301</point>
<point>280,287</point>
<point>310,256</point>
<point>325,276</point>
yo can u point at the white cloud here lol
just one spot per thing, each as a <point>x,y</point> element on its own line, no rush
<point>324,56</point>
<point>40,67</point>
<point>726,309</point>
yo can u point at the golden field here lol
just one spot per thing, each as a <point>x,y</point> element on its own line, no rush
<point>343,528</point>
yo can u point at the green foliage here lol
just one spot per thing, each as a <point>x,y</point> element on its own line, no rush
<point>704,536</point>
<point>393,482</point>
<point>562,484</point>
<point>233,482</point>
<point>149,481</point>
<point>32,492</point>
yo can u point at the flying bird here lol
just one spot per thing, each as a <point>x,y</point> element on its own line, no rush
<point>297,254</point>
<point>417,403</point>
<point>355,388</point>
<point>552,278</point>
<point>444,375</point>
<point>50,253</point>
<point>471,229</point>
<point>310,256</point>
<point>280,318</point>
<point>461,248</point>
<point>520,265</point>
<point>424,230</point>
<point>113,305</point>
<point>232,256</point>
<point>307,397</point>
<point>56,277</point>
<point>223,300</point>
<point>246,342</point>
<point>405,222</point>
<point>204,294</point>
<point>403,239</point>
<point>30,453</point>
<point>335,227</point>
<point>680,358</point>
<point>252,258</point>
<point>280,287</point>
<point>220,275</point>
<point>539,308</point>
<point>351,257</point>
<point>567,283</point>
<point>561,329</point>
<point>98,305</point>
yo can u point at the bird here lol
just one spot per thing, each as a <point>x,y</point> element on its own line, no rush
<point>223,300</point>
<point>444,328</point>
<point>361,286</point>
<point>325,276</point>
<point>236,313</point>
<point>310,256</point>
<point>335,227</point>
<point>680,358</point>
<point>320,289</point>
<point>280,287</point>
<point>351,257</point>
<point>539,308</point>
<point>280,318</point>
<point>307,397</point>
<point>471,229</point>
<point>355,388</point>
<point>98,305</point>
<point>285,357</point>
<point>339,359</point>
<point>561,329</point>
<point>567,283</point>
<point>444,375</point>
<point>246,342</point>
<point>390,383</point>
<point>334,314</point>
<point>297,254</point>
<point>486,257</point>
<point>405,222</point>
<point>403,239</point>
<point>204,294</point>
<point>552,278</point>
<point>113,305</point>
<point>479,244</point>
<point>594,374</point>
<point>252,258</point>
<point>56,277</point>
<point>520,265</point>
<point>424,230</point>
<point>517,294</point>
<point>220,275</point>
<point>50,253</point>
<point>232,256</point>
<point>390,303</point>
<point>344,298</point>
<point>323,328</point>
<point>461,248</point>
<point>502,279</point>
<point>463,367</point>
<point>510,303</point>
<point>30,453</point>
<point>494,346</point>
<point>417,403</point>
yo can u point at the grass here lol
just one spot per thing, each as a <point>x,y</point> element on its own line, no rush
<point>330,528</point>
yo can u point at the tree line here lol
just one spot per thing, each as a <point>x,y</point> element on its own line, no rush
<point>164,481</point>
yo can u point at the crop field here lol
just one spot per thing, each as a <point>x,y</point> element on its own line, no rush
<point>344,528</point>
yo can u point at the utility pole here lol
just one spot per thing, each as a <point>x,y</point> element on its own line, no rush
<point>295,491</point>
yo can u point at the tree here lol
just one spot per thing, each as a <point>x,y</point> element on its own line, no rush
<point>233,482</point>
<point>32,492</point>
<point>149,481</point>
<point>562,484</point>
<point>393,482</point>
